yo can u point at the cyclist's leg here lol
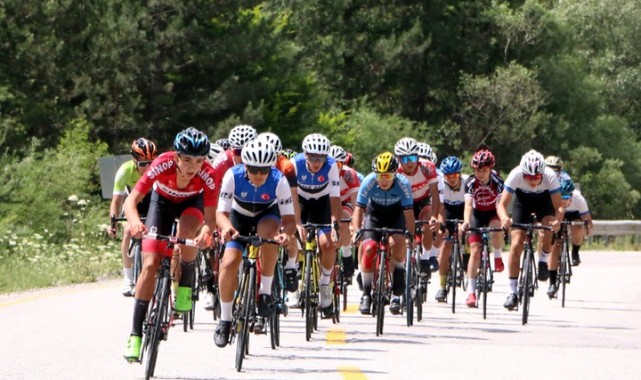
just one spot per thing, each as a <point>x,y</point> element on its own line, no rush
<point>516,248</point>
<point>190,220</point>
<point>345,242</point>
<point>127,262</point>
<point>327,261</point>
<point>267,228</point>
<point>473,268</point>
<point>429,251</point>
<point>497,244</point>
<point>397,266</point>
<point>444,268</point>
<point>578,234</point>
<point>227,284</point>
<point>553,264</point>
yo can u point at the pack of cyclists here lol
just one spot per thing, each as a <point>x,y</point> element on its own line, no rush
<point>248,184</point>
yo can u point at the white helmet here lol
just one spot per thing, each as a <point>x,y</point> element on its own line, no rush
<point>241,135</point>
<point>424,150</point>
<point>339,154</point>
<point>434,159</point>
<point>532,163</point>
<point>214,150</point>
<point>316,144</point>
<point>271,138</point>
<point>406,146</point>
<point>259,153</point>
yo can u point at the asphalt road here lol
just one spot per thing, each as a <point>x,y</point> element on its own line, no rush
<point>79,332</point>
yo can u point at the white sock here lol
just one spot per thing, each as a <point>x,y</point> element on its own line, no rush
<point>225,311</point>
<point>513,285</point>
<point>497,253</point>
<point>434,252</point>
<point>325,276</point>
<point>471,284</point>
<point>265,284</point>
<point>346,250</point>
<point>367,279</point>
<point>425,253</point>
<point>291,262</point>
<point>543,257</point>
<point>129,275</point>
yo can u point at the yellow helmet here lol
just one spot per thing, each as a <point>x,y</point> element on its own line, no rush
<point>385,163</point>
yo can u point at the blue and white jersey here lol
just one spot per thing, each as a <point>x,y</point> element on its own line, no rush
<point>316,185</point>
<point>449,196</point>
<point>239,194</point>
<point>578,203</point>
<point>371,196</point>
<point>516,183</point>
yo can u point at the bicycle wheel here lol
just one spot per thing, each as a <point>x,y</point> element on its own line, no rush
<point>455,272</point>
<point>247,315</point>
<point>380,290</point>
<point>527,278</point>
<point>137,260</point>
<point>309,318</point>
<point>274,319</point>
<point>484,277</point>
<point>421,294</point>
<point>409,301</point>
<point>155,331</point>
<point>563,275</point>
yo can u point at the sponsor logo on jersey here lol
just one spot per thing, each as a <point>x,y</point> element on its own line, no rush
<point>321,178</point>
<point>158,169</point>
<point>265,196</point>
<point>209,182</point>
<point>243,194</point>
<point>226,195</point>
<point>303,177</point>
<point>176,193</point>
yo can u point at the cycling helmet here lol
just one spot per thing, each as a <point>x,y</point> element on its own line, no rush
<point>339,154</point>
<point>223,143</point>
<point>259,153</point>
<point>451,165</point>
<point>554,162</point>
<point>424,150</point>
<point>316,144</point>
<point>406,146</point>
<point>289,153</point>
<point>214,151</point>
<point>434,159</point>
<point>271,138</point>
<point>241,135</point>
<point>532,163</point>
<point>385,163</point>
<point>567,187</point>
<point>483,158</point>
<point>143,150</point>
<point>192,142</point>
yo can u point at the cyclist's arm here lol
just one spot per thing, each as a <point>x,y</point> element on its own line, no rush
<point>436,201</point>
<point>501,208</point>
<point>114,210</point>
<point>357,218</point>
<point>294,191</point>
<point>410,223</point>
<point>467,213</point>
<point>558,208</point>
<point>136,226</point>
<point>209,226</point>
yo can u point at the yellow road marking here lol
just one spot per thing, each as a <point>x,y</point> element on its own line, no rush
<point>351,308</point>
<point>335,336</point>
<point>351,373</point>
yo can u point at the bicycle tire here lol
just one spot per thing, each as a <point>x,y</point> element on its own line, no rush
<point>380,290</point>
<point>409,302</point>
<point>247,314</point>
<point>485,274</point>
<point>421,294</point>
<point>344,288</point>
<point>274,319</point>
<point>137,268</point>
<point>563,271</point>
<point>309,318</point>
<point>155,330</point>
<point>455,267</point>
<point>527,277</point>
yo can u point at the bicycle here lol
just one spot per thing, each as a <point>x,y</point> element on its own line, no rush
<point>456,275</point>
<point>135,249</point>
<point>244,307</point>
<point>485,279</point>
<point>341,283</point>
<point>565,267</point>
<point>203,275</point>
<point>310,280</point>
<point>527,277</point>
<point>159,316</point>
<point>382,281</point>
<point>279,295</point>
<point>415,282</point>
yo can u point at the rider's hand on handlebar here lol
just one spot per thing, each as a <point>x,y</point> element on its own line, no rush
<point>111,231</point>
<point>282,239</point>
<point>506,223</point>
<point>556,225</point>
<point>138,229</point>
<point>229,234</point>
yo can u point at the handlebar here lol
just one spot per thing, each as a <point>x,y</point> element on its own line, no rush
<point>383,230</point>
<point>171,239</point>
<point>482,230</point>
<point>531,226</point>
<point>256,241</point>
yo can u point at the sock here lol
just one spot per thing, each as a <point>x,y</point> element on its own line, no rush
<point>140,313</point>
<point>226,310</point>
<point>265,284</point>
<point>575,250</point>
<point>187,273</point>
<point>325,276</point>
<point>553,274</point>
<point>471,285</point>
<point>434,252</point>
<point>442,281</point>
<point>346,250</point>
<point>367,279</point>
<point>543,257</point>
<point>513,284</point>
<point>397,265</point>
<point>129,274</point>
<point>291,262</point>
<point>497,253</point>
<point>425,253</point>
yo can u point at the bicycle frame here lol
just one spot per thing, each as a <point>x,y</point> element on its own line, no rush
<point>457,271</point>
<point>485,278</point>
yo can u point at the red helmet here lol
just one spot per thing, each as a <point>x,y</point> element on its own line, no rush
<point>482,158</point>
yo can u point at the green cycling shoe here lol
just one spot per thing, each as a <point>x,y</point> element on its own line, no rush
<point>132,352</point>
<point>183,299</point>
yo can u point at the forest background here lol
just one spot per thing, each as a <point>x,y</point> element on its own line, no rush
<point>81,80</point>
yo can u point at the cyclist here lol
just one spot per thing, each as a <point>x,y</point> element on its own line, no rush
<point>384,200</point>
<point>576,209</point>
<point>253,196</point>
<point>482,194</point>
<point>556,163</point>
<point>223,143</point>
<point>184,187</point>
<point>320,203</point>
<point>351,162</point>
<point>453,200</point>
<point>424,181</point>
<point>143,152</point>
<point>535,190</point>
<point>214,151</point>
<point>349,184</point>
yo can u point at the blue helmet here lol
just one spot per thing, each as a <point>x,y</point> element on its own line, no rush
<point>567,187</point>
<point>451,165</point>
<point>192,142</point>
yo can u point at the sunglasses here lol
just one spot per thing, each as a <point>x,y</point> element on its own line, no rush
<point>535,177</point>
<point>452,175</point>
<point>258,169</point>
<point>143,164</point>
<point>316,157</point>
<point>236,152</point>
<point>566,197</point>
<point>409,159</point>
<point>385,176</point>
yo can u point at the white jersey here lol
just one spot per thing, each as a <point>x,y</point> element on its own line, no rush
<point>449,196</point>
<point>516,183</point>
<point>578,203</point>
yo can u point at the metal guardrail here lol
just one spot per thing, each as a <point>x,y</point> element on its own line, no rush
<point>616,227</point>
